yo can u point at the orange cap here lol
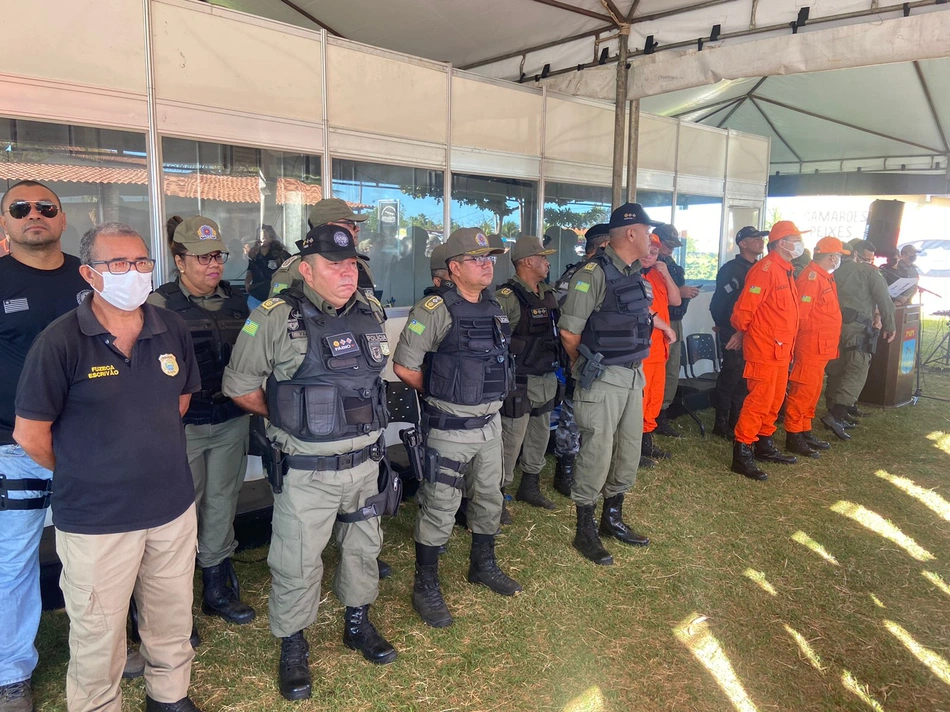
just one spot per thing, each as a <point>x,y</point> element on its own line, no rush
<point>783,229</point>
<point>831,246</point>
<point>654,240</point>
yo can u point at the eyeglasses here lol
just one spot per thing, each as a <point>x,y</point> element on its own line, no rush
<point>219,257</point>
<point>19,209</point>
<point>480,260</point>
<point>121,266</point>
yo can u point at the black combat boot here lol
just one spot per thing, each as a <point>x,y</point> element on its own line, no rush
<point>814,442</point>
<point>384,569</point>
<point>586,539</point>
<point>505,518</point>
<point>222,594</point>
<point>853,412</point>
<point>426,595</point>
<point>764,449</point>
<point>721,426</point>
<point>195,638</point>
<point>743,462</point>
<point>564,474</point>
<point>461,514</point>
<point>359,633</point>
<point>483,568</point>
<point>646,463</point>
<point>664,426</point>
<point>294,672</point>
<point>648,449</point>
<point>830,421</point>
<point>183,705</point>
<point>612,524</point>
<point>529,491</point>
<point>796,443</point>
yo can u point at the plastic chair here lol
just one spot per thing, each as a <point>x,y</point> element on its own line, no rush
<point>701,347</point>
<point>403,404</point>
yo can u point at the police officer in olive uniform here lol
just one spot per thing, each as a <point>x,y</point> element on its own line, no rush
<point>862,295</point>
<point>321,351</point>
<point>329,211</point>
<point>216,428</point>
<point>531,307</point>
<point>437,270</point>
<point>605,327</point>
<point>567,438</point>
<point>454,350</point>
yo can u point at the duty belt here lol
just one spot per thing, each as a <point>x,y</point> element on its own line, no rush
<point>24,485</point>
<point>632,364</point>
<point>440,420</point>
<point>346,461</point>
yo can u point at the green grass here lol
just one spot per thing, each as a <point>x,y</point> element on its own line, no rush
<point>609,632</point>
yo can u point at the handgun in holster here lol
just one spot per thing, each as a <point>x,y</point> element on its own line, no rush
<point>412,439</point>
<point>593,367</point>
<point>272,458</point>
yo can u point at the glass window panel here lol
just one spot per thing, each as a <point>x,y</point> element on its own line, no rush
<point>657,203</point>
<point>569,210</point>
<point>241,189</point>
<point>404,223</point>
<point>737,217</point>
<point>99,174</point>
<point>503,206</point>
<point>699,221</point>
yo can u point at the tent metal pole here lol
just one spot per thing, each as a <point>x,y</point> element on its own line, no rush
<point>620,119</point>
<point>154,161</point>
<point>775,130</point>
<point>299,10</point>
<point>578,10</point>
<point>933,108</point>
<point>633,150</point>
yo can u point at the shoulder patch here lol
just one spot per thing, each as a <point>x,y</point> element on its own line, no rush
<point>431,303</point>
<point>813,275</point>
<point>806,298</point>
<point>766,266</point>
<point>371,298</point>
<point>755,290</point>
<point>506,291</point>
<point>590,266</point>
<point>250,328</point>
<point>582,286</point>
<point>416,327</point>
<point>279,287</point>
<point>271,303</point>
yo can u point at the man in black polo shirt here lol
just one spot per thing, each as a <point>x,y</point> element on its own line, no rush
<point>99,403</point>
<point>37,284</point>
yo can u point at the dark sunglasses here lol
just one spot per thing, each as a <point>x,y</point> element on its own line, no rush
<point>19,209</point>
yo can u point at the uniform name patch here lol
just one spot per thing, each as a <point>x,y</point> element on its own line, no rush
<point>102,371</point>
<point>540,313</point>
<point>250,327</point>
<point>342,344</point>
<point>582,287</point>
<point>271,303</point>
<point>432,302</point>
<point>755,290</point>
<point>416,327</point>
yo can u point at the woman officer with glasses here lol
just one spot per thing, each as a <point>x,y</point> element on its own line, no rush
<point>215,427</point>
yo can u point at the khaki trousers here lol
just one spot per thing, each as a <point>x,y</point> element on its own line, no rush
<point>304,518</point>
<point>100,574</point>
<point>218,458</point>
<point>673,365</point>
<point>528,435</point>
<point>610,419</point>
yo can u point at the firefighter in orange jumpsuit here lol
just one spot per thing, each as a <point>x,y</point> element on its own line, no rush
<point>766,321</point>
<point>665,294</point>
<point>817,343</point>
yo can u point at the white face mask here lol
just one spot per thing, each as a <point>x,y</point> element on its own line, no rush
<point>125,291</point>
<point>835,262</point>
<point>798,249</point>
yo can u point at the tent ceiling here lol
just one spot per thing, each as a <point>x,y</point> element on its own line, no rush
<point>820,119</point>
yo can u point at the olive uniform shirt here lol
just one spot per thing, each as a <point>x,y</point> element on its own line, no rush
<point>212,302</point>
<point>584,296</point>
<point>861,287</point>
<point>273,342</point>
<point>541,389</point>
<point>428,323</point>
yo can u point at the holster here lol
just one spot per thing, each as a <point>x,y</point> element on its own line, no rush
<point>272,458</point>
<point>592,367</point>
<point>517,403</point>
<point>386,502</point>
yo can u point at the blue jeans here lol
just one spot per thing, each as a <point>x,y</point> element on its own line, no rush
<point>20,604</point>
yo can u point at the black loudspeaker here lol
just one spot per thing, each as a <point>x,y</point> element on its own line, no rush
<point>884,224</point>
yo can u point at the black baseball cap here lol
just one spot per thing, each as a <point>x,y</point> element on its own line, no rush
<point>332,242</point>
<point>595,235</point>
<point>750,231</point>
<point>630,214</point>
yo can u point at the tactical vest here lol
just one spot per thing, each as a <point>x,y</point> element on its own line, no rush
<point>561,286</point>
<point>337,392</point>
<point>535,342</point>
<point>621,328</point>
<point>472,365</point>
<point>213,334</point>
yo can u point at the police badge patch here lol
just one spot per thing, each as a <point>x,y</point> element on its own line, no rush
<point>377,345</point>
<point>169,364</point>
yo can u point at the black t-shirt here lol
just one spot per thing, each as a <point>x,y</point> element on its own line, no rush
<point>121,462</point>
<point>30,299</point>
<point>262,267</point>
